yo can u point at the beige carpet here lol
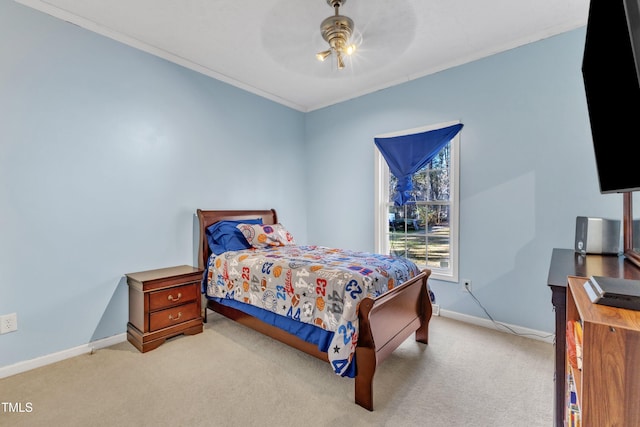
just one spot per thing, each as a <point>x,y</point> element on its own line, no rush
<point>232,376</point>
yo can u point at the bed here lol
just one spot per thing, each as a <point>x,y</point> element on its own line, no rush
<point>383,318</point>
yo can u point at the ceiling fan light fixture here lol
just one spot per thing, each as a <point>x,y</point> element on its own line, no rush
<point>336,30</point>
<point>340,61</point>
<point>323,55</point>
<point>350,49</point>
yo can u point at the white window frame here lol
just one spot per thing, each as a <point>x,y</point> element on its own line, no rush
<point>381,190</point>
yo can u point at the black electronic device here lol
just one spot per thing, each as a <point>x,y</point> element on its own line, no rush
<point>614,292</point>
<point>611,81</point>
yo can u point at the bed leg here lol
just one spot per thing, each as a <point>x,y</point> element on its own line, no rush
<point>422,333</point>
<point>203,311</point>
<point>366,366</point>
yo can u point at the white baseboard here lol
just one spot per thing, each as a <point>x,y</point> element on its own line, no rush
<point>513,329</point>
<point>27,365</point>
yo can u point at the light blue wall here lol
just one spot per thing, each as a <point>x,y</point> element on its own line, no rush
<point>105,154</point>
<point>527,170</point>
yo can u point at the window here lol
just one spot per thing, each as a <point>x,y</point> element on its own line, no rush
<point>424,230</point>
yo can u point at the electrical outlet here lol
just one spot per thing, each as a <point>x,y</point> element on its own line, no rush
<point>466,285</point>
<point>435,309</point>
<point>8,323</point>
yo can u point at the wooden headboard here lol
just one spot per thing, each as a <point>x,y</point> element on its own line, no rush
<point>206,218</point>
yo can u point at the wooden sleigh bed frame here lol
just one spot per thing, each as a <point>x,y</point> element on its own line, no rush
<point>385,322</point>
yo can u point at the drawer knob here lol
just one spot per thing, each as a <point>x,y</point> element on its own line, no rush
<point>177,317</point>
<point>171,298</point>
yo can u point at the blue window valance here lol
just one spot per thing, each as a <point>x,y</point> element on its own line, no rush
<point>407,154</point>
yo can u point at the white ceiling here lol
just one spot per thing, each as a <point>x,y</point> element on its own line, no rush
<point>268,47</point>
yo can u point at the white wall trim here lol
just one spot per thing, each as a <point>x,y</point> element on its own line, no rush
<point>38,362</point>
<point>548,337</point>
<point>27,365</point>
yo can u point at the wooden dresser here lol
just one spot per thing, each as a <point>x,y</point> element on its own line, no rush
<point>163,303</point>
<point>564,263</point>
<point>607,380</point>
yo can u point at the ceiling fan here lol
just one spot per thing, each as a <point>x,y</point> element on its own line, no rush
<point>338,31</point>
<point>374,18</point>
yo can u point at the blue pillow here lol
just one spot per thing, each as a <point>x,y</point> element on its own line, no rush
<point>224,236</point>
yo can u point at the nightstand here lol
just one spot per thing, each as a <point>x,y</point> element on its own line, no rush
<point>163,303</point>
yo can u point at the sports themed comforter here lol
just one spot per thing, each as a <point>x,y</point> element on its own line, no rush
<point>311,284</point>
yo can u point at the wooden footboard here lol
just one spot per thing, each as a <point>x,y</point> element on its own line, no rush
<point>385,323</point>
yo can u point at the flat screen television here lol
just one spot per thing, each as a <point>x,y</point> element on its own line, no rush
<point>612,89</point>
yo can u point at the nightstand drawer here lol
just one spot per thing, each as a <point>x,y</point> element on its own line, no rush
<point>173,316</point>
<point>173,296</point>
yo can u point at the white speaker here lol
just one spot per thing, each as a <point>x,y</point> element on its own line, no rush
<point>597,235</point>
